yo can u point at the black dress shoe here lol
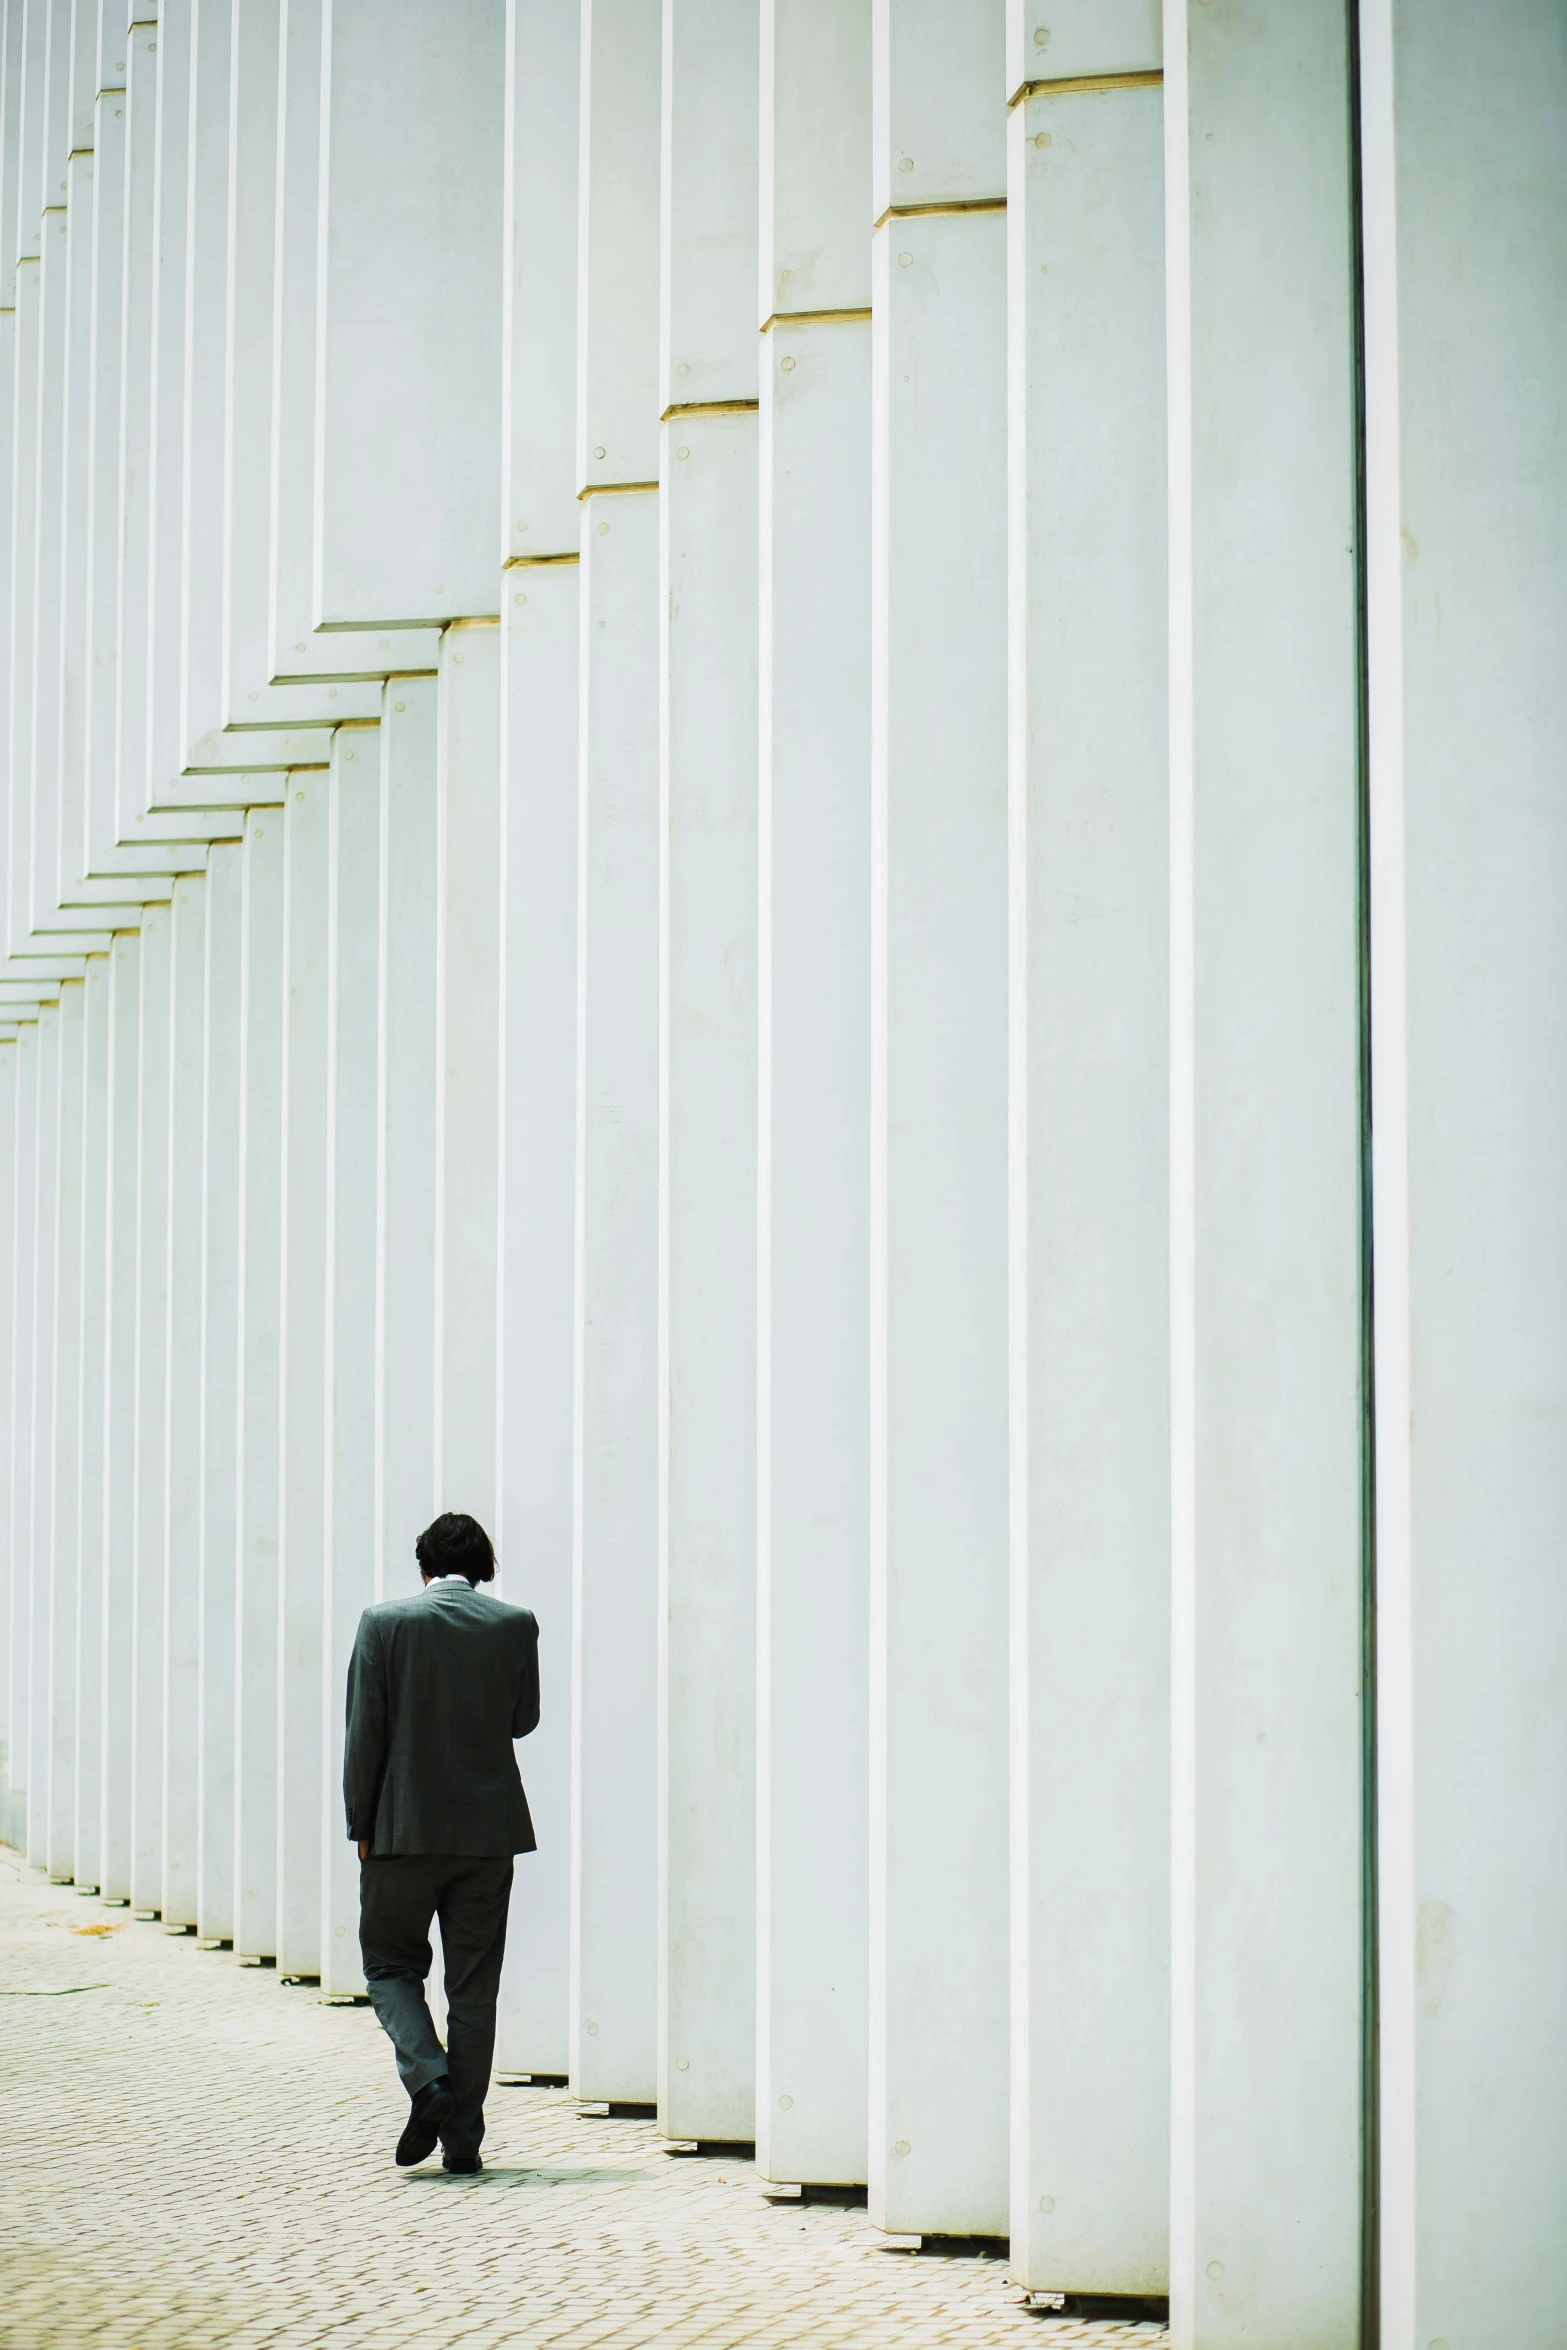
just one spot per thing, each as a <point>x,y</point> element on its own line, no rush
<point>462,2166</point>
<point>432,2105</point>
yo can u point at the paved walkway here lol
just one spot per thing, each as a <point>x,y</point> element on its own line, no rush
<point>193,2153</point>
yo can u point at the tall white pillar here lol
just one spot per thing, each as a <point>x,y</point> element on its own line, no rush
<point>100,625</point>
<point>88,1832</point>
<point>40,1536</point>
<point>1465,340</point>
<point>615,1542</point>
<point>256,1431</point>
<point>615,1629</point>
<point>405,1357</point>
<point>132,538</point>
<point>115,1745</point>
<point>151,1412</point>
<point>60,1813</point>
<point>938,2132</point>
<point>10,1234</point>
<point>707,1089</point>
<point>198,703</point>
<point>20,1241</point>
<point>813,1667</point>
<point>253,163</point>
<point>1089,1187</point>
<point>23,606</point>
<point>411,168</point>
<point>223,1002</point>
<point>38,779</point>
<point>301,1406</point>
<point>349,1284</point>
<point>277,200</point>
<point>467,1080</point>
<point>178,231</point>
<point>69,815</point>
<point>183,1759</point>
<point>540,591</point>
<point>1266,1338</point>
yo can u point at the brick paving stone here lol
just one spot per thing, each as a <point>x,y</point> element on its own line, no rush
<point>195,2156</point>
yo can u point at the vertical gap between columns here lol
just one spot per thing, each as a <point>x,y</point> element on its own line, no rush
<point>1370,2113</point>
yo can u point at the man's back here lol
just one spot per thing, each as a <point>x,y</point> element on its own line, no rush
<point>439,1687</point>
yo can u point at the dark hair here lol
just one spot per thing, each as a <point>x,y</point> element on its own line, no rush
<point>455,1545</point>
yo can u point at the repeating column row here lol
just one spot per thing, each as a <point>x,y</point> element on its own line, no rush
<point>738,742</point>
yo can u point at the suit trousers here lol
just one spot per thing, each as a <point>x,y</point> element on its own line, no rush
<point>399,1893</point>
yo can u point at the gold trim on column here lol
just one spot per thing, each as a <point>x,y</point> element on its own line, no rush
<point>946,204</point>
<point>1150,80</point>
<point>710,408</point>
<point>810,318</point>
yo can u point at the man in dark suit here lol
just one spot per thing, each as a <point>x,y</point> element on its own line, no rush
<point>438,1688</point>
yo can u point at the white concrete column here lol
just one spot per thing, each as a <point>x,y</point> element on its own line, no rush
<point>405,1358</point>
<point>70,799</point>
<point>258,1347</point>
<point>1089,1190</point>
<point>101,592</point>
<point>40,1538</point>
<point>10,1236</point>
<point>221,1259</point>
<point>614,1940</point>
<point>618,244</point>
<point>60,1801</point>
<point>938,2132</point>
<point>1464,341</point>
<point>21,1238</point>
<point>1266,1337</point>
<point>538,945</point>
<point>88,1831</point>
<point>183,1759</point>
<point>467,1077</point>
<point>197,704</point>
<point>412,120</point>
<point>813,1672</point>
<point>178,232</point>
<point>614,1754</point>
<point>301,1406</point>
<point>707,1092</point>
<point>352,1025</point>
<point>38,778</point>
<point>23,607</point>
<point>115,1744</point>
<point>276,257</point>
<point>539,282</point>
<point>132,539</point>
<point>250,352</point>
<point>150,1380</point>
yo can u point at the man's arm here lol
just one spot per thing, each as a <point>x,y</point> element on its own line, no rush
<point>364,1746</point>
<point>525,1713</point>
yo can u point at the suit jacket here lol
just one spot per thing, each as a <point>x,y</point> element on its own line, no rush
<point>439,1685</point>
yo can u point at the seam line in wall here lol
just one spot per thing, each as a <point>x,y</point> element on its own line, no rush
<point>1151,79</point>
<point>947,204</point>
<point>810,318</point>
<point>534,562</point>
<point>710,408</point>
<point>613,489</point>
